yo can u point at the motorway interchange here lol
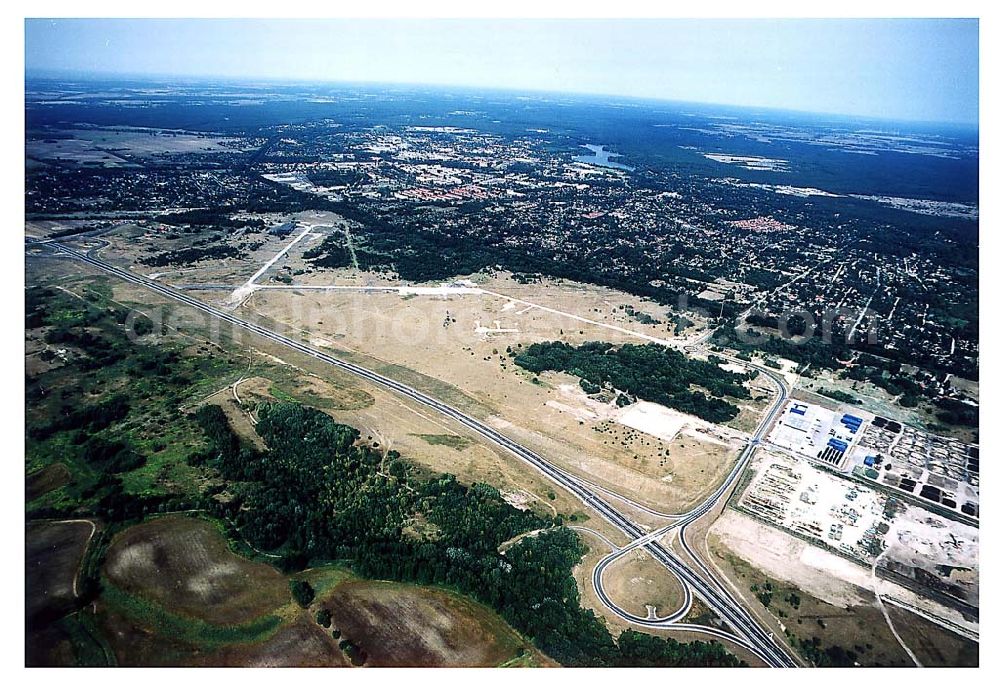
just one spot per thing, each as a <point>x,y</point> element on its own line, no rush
<point>698,580</point>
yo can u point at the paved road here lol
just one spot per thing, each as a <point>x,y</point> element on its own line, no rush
<point>683,521</point>
<point>747,632</point>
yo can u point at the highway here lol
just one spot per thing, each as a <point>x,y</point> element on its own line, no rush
<point>747,632</point>
<point>683,521</point>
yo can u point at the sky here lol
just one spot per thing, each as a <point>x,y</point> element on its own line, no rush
<point>912,69</point>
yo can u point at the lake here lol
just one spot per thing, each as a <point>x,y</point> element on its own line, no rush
<point>601,157</point>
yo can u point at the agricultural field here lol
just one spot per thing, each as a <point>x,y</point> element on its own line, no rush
<point>183,566</point>
<point>122,146</point>
<point>54,557</point>
<point>399,625</point>
<point>176,594</point>
<point>54,554</point>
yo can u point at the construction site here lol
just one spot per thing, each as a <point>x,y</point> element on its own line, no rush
<point>841,515</point>
<point>941,471</point>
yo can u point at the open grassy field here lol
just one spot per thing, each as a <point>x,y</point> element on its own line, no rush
<point>440,345</point>
<point>399,625</point>
<point>229,258</point>
<point>932,647</point>
<point>454,441</point>
<point>637,582</point>
<point>597,549</point>
<point>434,344</point>
<point>175,594</point>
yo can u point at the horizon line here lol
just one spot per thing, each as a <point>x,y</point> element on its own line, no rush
<point>92,74</point>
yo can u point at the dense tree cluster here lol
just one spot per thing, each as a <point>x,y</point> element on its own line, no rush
<point>215,217</point>
<point>89,418</point>
<point>958,413</point>
<point>193,254</point>
<point>650,372</point>
<point>111,455</point>
<point>318,494</point>
<point>403,242</point>
<point>335,178</point>
<point>839,395</point>
<point>331,253</point>
<point>811,352</point>
<point>302,592</point>
<point>832,656</point>
<point>643,650</point>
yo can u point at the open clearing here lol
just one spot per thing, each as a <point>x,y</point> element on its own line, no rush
<point>767,553</point>
<point>431,444</point>
<point>395,423</point>
<point>857,626</point>
<point>446,347</point>
<point>597,549</point>
<point>637,582</point>
<point>443,340</point>
<point>933,647</point>
<point>399,625</point>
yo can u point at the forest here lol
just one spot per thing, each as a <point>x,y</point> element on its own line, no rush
<point>650,372</point>
<point>331,253</point>
<point>318,494</point>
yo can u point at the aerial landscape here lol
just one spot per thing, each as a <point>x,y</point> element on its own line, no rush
<point>346,372</point>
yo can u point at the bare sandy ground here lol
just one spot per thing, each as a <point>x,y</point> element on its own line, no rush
<point>816,571</point>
